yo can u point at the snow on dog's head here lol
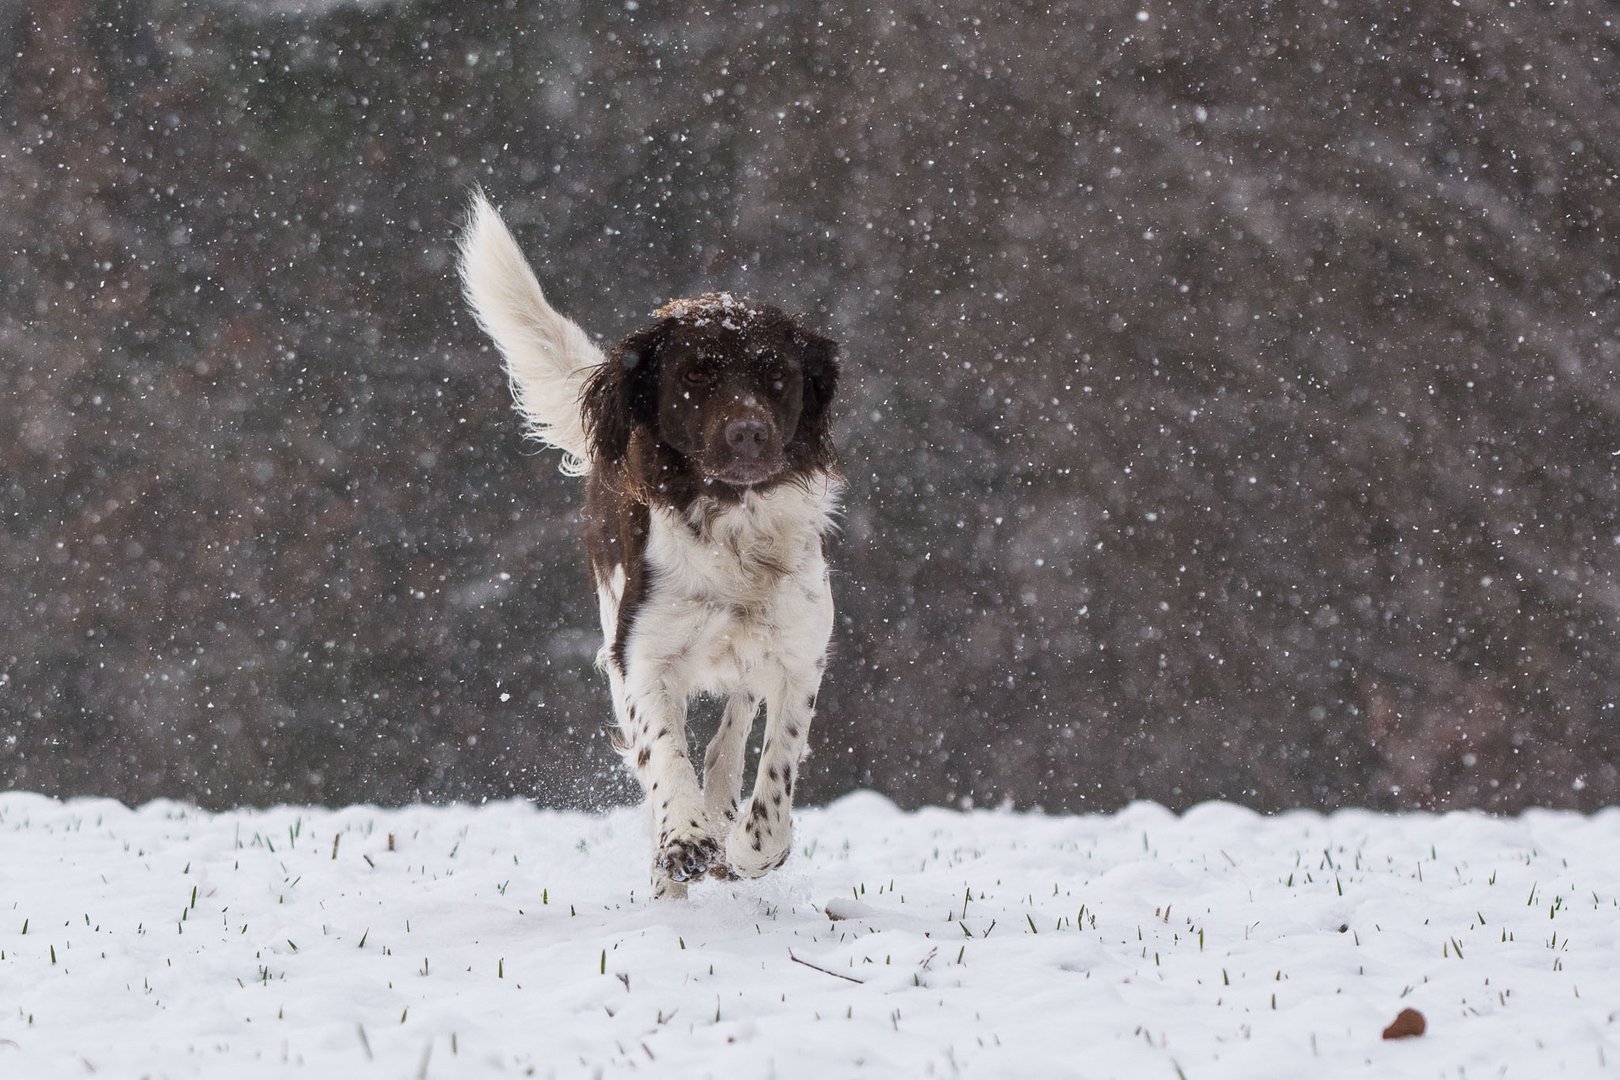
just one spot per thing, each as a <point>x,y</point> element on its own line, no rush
<point>719,395</point>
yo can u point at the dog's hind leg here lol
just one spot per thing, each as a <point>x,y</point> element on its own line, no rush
<point>723,761</point>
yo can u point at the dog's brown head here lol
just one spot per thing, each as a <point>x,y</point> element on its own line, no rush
<point>720,392</point>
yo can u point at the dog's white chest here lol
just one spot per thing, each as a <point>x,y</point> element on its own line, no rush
<point>737,592</point>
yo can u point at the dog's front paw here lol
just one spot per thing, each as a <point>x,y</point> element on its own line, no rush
<point>687,855</point>
<point>759,842</point>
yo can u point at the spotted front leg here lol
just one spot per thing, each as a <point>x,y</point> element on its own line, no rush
<point>760,838</point>
<point>653,743</point>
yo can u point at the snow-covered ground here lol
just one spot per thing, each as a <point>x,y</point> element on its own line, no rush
<point>505,941</point>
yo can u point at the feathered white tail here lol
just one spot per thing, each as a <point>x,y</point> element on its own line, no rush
<point>548,357</point>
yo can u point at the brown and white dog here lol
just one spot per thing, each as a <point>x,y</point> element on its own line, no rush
<point>710,488</point>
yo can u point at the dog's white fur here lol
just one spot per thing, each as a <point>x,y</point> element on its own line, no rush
<point>739,606</point>
<point>548,357</point>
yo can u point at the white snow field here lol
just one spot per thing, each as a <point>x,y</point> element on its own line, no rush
<point>506,941</point>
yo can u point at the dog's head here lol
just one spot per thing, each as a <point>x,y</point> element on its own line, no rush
<point>735,392</point>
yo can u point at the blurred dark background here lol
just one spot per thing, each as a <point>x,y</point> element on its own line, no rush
<point>1232,407</point>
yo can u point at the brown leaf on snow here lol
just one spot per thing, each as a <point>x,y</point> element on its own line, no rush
<point>1410,1022</point>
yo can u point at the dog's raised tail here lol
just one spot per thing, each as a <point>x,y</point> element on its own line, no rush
<point>548,357</point>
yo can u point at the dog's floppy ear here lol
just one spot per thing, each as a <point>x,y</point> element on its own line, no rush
<point>818,357</point>
<point>623,394</point>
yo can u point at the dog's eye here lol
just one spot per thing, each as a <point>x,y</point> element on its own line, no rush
<point>696,376</point>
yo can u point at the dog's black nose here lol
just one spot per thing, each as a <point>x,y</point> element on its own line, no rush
<point>746,438</point>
